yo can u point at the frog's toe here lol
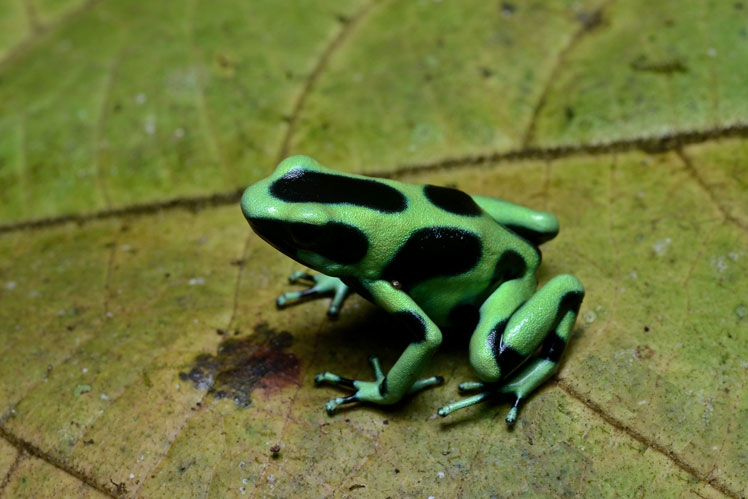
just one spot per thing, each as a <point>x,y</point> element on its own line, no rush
<point>284,299</point>
<point>461,404</point>
<point>471,386</point>
<point>333,311</point>
<point>293,296</point>
<point>334,379</point>
<point>301,276</point>
<point>426,383</point>
<point>332,405</point>
<point>485,391</point>
<point>511,417</point>
<point>320,285</point>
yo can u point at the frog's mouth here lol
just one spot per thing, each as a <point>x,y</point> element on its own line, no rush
<point>337,242</point>
<point>272,232</point>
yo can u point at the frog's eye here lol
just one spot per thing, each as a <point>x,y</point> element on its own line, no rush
<point>337,242</point>
<point>304,235</point>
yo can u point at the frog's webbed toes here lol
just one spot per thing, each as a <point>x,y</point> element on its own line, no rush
<point>321,285</point>
<point>368,391</point>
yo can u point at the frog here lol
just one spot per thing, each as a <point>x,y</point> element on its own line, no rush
<point>435,258</point>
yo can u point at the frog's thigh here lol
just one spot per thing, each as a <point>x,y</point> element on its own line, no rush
<point>552,309</point>
<point>494,316</point>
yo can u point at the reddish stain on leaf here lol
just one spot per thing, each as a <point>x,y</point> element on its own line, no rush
<point>243,364</point>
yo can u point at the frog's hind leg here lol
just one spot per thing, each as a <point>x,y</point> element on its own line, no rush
<point>545,320</point>
<point>533,225</point>
<point>321,285</point>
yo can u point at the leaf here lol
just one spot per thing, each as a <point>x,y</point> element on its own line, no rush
<point>141,352</point>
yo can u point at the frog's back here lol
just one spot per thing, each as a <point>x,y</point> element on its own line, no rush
<point>447,253</point>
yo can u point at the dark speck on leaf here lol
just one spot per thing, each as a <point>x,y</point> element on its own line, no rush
<point>590,20</point>
<point>120,487</point>
<point>671,66</point>
<point>243,364</point>
<point>508,8</point>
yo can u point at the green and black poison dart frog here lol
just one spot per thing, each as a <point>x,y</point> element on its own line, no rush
<point>434,257</point>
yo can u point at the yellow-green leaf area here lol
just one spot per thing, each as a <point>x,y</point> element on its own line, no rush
<point>141,352</point>
<point>677,68</point>
<point>136,102</point>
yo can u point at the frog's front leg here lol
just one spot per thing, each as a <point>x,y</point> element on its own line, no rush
<point>547,318</point>
<point>402,378</point>
<point>321,285</point>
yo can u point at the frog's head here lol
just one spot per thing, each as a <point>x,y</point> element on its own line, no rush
<point>286,209</point>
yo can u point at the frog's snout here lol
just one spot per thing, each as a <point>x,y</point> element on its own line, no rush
<point>246,202</point>
<point>254,203</point>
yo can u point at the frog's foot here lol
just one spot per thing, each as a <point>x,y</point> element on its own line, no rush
<point>485,391</point>
<point>520,385</point>
<point>321,285</point>
<point>369,391</point>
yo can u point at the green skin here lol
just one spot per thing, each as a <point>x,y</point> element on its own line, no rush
<point>519,332</point>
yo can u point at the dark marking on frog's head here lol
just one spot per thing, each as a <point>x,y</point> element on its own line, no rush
<point>243,364</point>
<point>452,200</point>
<point>301,185</point>
<point>433,252</point>
<point>338,242</point>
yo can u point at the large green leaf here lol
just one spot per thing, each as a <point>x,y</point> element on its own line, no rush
<point>141,353</point>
